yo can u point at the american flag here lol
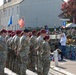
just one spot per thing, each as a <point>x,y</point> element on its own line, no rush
<point>21,22</point>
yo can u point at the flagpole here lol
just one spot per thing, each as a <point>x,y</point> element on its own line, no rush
<point>6,27</point>
<point>12,27</point>
<point>15,27</point>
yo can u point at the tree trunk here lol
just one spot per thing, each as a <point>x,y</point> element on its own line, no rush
<point>74,19</point>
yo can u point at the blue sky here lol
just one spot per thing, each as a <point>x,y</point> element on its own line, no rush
<point>1,2</point>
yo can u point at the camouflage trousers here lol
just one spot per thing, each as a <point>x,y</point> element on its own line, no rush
<point>2,62</point>
<point>17,64</point>
<point>31,62</point>
<point>39,65</point>
<point>11,60</point>
<point>46,65</point>
<point>8,58</point>
<point>23,66</point>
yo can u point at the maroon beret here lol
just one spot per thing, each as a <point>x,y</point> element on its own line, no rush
<point>43,31</point>
<point>3,31</point>
<point>34,31</point>
<point>30,34</point>
<point>18,31</point>
<point>38,33</point>
<point>9,31</point>
<point>12,34</point>
<point>46,37</point>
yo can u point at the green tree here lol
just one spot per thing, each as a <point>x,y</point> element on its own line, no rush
<point>69,10</point>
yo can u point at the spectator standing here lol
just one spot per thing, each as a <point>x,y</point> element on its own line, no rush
<point>63,40</point>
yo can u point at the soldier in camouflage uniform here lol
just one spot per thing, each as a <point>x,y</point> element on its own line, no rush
<point>39,49</point>
<point>7,38</point>
<point>33,52</point>
<point>9,52</point>
<point>38,33</point>
<point>8,34</point>
<point>12,53</point>
<point>46,55</point>
<point>24,51</point>
<point>3,51</point>
<point>16,60</point>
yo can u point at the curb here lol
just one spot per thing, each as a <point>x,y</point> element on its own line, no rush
<point>61,70</point>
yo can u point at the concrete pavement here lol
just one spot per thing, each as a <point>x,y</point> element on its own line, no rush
<point>9,72</point>
<point>68,67</point>
<point>51,72</point>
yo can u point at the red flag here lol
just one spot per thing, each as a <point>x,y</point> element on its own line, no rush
<point>21,23</point>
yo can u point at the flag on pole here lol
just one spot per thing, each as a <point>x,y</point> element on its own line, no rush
<point>21,23</point>
<point>10,21</point>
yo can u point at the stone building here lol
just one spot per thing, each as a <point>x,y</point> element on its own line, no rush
<point>36,13</point>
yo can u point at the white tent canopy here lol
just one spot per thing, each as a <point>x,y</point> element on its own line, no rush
<point>71,25</point>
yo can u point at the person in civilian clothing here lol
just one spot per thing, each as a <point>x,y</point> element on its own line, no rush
<point>63,40</point>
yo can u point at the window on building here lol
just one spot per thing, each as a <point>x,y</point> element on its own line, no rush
<point>17,9</point>
<point>12,11</point>
<point>1,14</point>
<point>9,12</point>
<point>6,13</point>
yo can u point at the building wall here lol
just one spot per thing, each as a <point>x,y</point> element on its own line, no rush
<point>38,13</point>
<point>0,21</point>
<point>6,14</point>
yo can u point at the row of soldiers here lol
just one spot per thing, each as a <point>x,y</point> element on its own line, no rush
<point>22,50</point>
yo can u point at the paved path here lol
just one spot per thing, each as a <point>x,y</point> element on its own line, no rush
<point>67,65</point>
<point>9,72</point>
<point>51,72</point>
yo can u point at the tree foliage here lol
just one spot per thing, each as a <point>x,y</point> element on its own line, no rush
<point>69,9</point>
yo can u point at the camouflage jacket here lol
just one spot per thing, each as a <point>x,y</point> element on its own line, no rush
<point>24,46</point>
<point>16,42</point>
<point>46,49</point>
<point>7,37</point>
<point>12,44</point>
<point>3,45</point>
<point>33,41</point>
<point>39,45</point>
<point>8,42</point>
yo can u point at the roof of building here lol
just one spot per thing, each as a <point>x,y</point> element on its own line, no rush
<point>13,2</point>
